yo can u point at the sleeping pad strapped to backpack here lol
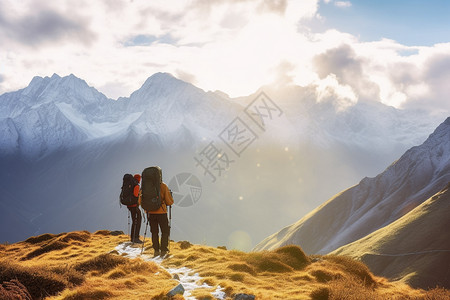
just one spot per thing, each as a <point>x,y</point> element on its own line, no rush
<point>127,196</point>
<point>151,185</point>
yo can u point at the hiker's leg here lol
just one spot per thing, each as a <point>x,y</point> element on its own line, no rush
<point>132,224</point>
<point>154,230</point>
<point>165,231</point>
<point>138,223</point>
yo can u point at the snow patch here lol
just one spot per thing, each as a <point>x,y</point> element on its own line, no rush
<point>187,277</point>
<point>96,130</point>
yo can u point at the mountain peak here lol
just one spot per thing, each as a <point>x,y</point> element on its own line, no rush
<point>162,86</point>
<point>160,78</point>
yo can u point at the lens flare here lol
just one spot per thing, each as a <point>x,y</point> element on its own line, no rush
<point>239,240</point>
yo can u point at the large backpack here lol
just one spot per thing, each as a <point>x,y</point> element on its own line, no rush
<point>127,196</point>
<point>151,186</point>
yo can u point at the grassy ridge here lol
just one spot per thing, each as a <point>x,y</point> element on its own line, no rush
<point>81,265</point>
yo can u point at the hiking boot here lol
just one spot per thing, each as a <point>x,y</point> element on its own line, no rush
<point>157,253</point>
<point>163,253</point>
<point>137,241</point>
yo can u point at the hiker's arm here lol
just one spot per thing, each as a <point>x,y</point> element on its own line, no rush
<point>167,196</point>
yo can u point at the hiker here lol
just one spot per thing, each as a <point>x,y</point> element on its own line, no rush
<point>135,212</point>
<point>155,197</point>
<point>129,197</point>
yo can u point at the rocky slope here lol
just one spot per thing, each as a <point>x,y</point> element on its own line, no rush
<point>375,202</point>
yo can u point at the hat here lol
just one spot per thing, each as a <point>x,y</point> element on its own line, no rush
<point>137,177</point>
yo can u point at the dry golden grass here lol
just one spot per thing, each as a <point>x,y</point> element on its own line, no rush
<point>14,290</point>
<point>81,265</point>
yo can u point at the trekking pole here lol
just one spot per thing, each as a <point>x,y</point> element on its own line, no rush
<point>145,233</point>
<point>170,223</point>
<point>129,224</point>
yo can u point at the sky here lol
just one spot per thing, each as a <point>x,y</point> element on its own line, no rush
<point>396,52</point>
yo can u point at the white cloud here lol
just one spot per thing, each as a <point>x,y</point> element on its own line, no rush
<point>343,3</point>
<point>235,46</point>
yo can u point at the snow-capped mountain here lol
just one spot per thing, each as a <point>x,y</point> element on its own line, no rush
<point>65,148</point>
<point>375,202</point>
<point>54,113</point>
<point>47,115</point>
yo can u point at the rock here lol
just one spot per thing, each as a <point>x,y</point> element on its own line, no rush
<point>114,252</point>
<point>222,247</point>
<point>243,297</point>
<point>176,277</point>
<point>179,289</point>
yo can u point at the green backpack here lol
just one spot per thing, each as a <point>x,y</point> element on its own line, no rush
<point>151,188</point>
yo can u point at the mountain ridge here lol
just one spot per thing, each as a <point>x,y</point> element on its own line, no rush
<point>421,172</point>
<point>414,248</point>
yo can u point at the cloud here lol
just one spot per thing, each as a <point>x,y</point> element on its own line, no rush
<point>283,73</point>
<point>235,46</point>
<point>186,76</point>
<point>38,25</point>
<point>275,6</point>
<point>343,4</point>
<point>379,71</point>
<point>347,67</point>
<point>147,40</point>
<point>436,90</point>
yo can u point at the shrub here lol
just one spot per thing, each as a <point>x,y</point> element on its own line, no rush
<point>437,293</point>
<point>141,267</point>
<point>82,236</point>
<point>102,263</point>
<point>351,289</point>
<point>185,245</point>
<point>192,257</point>
<point>267,262</point>
<point>273,265</point>
<point>237,277</point>
<point>242,267</point>
<point>324,276</point>
<point>320,294</point>
<point>39,282</point>
<point>294,256</point>
<point>14,290</point>
<point>117,274</point>
<point>116,233</point>
<point>353,267</point>
<point>88,294</point>
<point>52,246</point>
<point>70,274</point>
<point>102,232</point>
<point>40,238</point>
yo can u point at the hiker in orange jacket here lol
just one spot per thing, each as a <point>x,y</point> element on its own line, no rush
<point>158,219</point>
<point>135,214</point>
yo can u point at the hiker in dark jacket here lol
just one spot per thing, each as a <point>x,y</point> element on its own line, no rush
<point>158,219</point>
<point>135,214</point>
